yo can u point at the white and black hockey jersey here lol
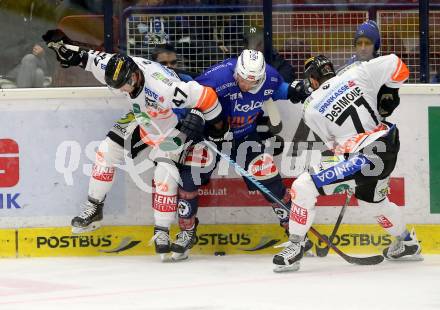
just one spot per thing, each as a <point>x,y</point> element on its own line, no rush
<point>162,92</point>
<point>343,111</point>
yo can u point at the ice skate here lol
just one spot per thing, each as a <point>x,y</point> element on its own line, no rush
<point>308,243</point>
<point>308,246</point>
<point>288,259</point>
<point>404,249</point>
<point>184,242</point>
<point>161,240</point>
<point>89,218</point>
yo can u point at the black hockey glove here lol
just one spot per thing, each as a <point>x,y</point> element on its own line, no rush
<point>193,125</point>
<point>387,100</point>
<point>299,90</point>
<point>218,132</point>
<point>264,125</point>
<point>67,54</point>
<point>276,143</point>
<point>269,134</point>
<point>55,36</point>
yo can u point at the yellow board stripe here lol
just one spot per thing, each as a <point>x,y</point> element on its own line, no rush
<point>211,239</point>
<point>8,243</point>
<point>118,68</point>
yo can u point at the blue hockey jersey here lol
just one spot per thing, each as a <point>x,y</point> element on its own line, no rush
<point>241,109</point>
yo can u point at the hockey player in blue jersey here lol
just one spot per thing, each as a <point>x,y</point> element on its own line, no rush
<point>243,86</point>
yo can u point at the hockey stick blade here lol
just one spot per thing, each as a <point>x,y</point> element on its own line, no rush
<point>371,260</point>
<point>321,252</point>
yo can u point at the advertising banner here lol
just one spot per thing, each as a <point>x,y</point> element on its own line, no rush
<point>49,137</point>
<point>211,239</point>
<point>8,243</point>
<point>46,153</point>
<point>219,191</point>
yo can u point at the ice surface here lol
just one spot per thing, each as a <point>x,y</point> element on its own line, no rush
<point>216,282</point>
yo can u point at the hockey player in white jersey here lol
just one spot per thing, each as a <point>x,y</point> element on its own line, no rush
<point>347,113</point>
<point>153,92</point>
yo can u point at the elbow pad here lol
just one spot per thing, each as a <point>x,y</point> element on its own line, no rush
<point>387,100</point>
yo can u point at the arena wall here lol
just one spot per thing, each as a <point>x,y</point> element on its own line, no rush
<point>49,137</point>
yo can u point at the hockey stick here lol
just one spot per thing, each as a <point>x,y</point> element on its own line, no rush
<point>371,260</point>
<point>322,252</point>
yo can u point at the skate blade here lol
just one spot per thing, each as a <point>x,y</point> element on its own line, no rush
<point>412,258</point>
<point>177,257</point>
<point>165,257</point>
<point>309,253</point>
<point>80,230</point>
<point>287,268</point>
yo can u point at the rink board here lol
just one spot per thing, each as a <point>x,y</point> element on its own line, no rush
<point>211,239</point>
<point>8,243</point>
<point>52,135</point>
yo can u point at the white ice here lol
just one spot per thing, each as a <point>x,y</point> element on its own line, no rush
<point>215,282</point>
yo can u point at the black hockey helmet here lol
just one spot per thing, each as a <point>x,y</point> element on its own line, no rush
<point>119,70</point>
<point>319,67</point>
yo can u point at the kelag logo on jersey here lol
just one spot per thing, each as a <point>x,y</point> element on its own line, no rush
<point>248,107</point>
<point>9,173</point>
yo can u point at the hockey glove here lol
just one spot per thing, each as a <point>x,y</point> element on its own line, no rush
<point>387,100</point>
<point>67,54</point>
<point>269,134</point>
<point>55,36</point>
<point>277,143</point>
<point>219,132</point>
<point>193,125</point>
<point>299,90</point>
<point>264,125</point>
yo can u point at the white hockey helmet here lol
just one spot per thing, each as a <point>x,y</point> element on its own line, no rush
<point>251,66</point>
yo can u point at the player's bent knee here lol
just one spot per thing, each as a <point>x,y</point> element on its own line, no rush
<point>303,191</point>
<point>109,153</point>
<point>165,196</point>
<point>166,177</point>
